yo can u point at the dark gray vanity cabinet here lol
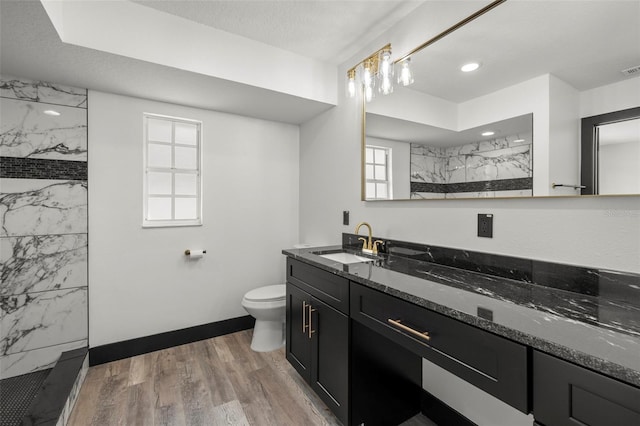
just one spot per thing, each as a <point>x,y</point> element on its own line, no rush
<point>565,394</point>
<point>318,333</point>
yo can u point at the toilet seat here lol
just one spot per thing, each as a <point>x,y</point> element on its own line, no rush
<point>270,293</point>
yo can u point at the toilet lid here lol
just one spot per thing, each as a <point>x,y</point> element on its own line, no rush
<point>268,293</point>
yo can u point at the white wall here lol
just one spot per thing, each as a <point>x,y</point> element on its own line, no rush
<point>400,165</point>
<point>140,281</point>
<point>564,138</point>
<point>613,97</point>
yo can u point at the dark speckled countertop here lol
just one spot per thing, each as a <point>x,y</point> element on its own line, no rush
<point>596,325</point>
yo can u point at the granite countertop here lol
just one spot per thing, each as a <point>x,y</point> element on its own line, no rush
<point>599,331</point>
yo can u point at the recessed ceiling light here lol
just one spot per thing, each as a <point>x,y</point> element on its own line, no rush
<point>471,66</point>
<point>52,112</point>
<point>518,140</point>
<point>489,133</point>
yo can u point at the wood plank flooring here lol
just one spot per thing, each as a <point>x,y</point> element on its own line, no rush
<point>218,381</point>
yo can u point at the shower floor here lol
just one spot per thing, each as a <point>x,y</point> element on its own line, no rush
<point>16,393</point>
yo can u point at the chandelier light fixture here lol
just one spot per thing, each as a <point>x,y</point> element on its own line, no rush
<point>376,74</point>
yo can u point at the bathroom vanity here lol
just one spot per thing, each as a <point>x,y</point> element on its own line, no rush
<point>559,341</point>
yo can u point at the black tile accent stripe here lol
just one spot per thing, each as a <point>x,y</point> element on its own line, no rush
<point>35,168</point>
<point>156,342</point>
<point>480,186</point>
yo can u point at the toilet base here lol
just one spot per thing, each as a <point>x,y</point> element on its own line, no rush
<point>268,336</point>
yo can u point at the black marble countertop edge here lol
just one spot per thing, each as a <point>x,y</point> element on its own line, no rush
<point>600,365</point>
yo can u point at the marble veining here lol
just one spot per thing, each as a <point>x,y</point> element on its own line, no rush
<point>26,131</point>
<point>42,263</point>
<point>453,170</point>
<point>41,207</point>
<point>35,359</point>
<point>584,315</point>
<point>43,223</point>
<point>40,91</point>
<point>36,320</point>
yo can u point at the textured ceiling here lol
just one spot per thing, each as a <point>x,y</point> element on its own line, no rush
<point>328,30</point>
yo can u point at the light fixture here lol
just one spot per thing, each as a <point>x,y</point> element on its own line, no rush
<point>51,112</point>
<point>518,140</point>
<point>369,71</point>
<point>488,133</point>
<point>351,83</point>
<point>374,73</point>
<point>405,76</point>
<point>471,66</point>
<point>385,72</point>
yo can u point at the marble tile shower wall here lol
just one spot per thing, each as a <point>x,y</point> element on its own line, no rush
<point>499,167</point>
<point>43,223</point>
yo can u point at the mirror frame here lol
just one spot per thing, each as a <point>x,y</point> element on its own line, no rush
<point>589,146</point>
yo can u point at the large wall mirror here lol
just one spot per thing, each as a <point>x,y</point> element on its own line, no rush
<point>512,128</point>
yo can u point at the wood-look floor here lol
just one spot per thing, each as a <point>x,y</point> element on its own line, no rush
<point>218,381</point>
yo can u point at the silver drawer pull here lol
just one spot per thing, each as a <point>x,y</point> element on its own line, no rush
<point>422,334</point>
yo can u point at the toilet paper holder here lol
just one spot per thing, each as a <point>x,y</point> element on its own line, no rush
<point>187,252</point>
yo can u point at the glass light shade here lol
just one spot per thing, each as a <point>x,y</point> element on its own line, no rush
<point>385,73</point>
<point>405,76</point>
<point>367,76</point>
<point>385,85</point>
<point>368,93</point>
<point>351,86</point>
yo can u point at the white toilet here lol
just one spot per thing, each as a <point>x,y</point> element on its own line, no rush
<point>268,306</point>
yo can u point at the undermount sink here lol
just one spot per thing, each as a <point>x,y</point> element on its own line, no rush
<point>346,258</point>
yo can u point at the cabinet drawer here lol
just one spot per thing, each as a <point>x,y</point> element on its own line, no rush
<point>490,362</point>
<point>330,288</point>
<point>566,394</point>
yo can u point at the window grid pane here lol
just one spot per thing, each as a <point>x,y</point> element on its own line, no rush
<point>172,178</point>
<point>378,178</point>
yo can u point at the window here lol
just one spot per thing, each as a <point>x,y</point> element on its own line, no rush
<point>172,178</point>
<point>378,173</point>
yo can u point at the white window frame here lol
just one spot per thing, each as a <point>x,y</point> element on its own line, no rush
<point>388,181</point>
<point>149,223</point>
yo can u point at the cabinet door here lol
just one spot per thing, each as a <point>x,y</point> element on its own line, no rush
<point>330,354</point>
<point>298,341</point>
<point>565,394</point>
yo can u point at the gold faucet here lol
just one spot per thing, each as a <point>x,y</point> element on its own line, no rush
<point>368,246</point>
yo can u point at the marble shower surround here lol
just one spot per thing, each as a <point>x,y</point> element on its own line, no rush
<point>43,224</point>
<point>486,168</point>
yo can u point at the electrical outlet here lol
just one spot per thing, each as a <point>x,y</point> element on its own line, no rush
<point>485,313</point>
<point>485,225</point>
<point>345,217</point>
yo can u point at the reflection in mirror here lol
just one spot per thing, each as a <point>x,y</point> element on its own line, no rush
<point>533,61</point>
<point>611,153</point>
<point>411,160</point>
<point>619,157</point>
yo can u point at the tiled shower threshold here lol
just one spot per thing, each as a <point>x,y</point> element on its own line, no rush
<point>44,398</point>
